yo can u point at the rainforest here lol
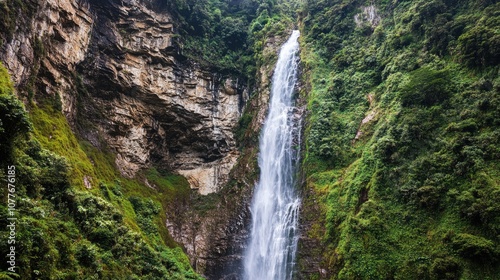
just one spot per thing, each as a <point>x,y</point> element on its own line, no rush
<point>250,139</point>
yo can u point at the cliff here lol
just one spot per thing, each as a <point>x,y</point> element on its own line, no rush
<point>108,86</point>
<point>123,82</point>
<point>214,229</point>
<point>133,127</point>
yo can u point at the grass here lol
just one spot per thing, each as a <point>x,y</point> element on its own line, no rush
<point>54,133</point>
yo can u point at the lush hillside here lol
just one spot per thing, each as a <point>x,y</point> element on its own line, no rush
<point>402,138</point>
<point>66,231</point>
<point>228,34</point>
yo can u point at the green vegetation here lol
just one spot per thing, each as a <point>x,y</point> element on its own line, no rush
<point>76,220</point>
<point>402,159</point>
<point>226,34</point>
<point>412,192</point>
<point>13,119</point>
<point>215,32</point>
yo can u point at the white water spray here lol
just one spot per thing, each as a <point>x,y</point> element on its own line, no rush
<point>275,207</point>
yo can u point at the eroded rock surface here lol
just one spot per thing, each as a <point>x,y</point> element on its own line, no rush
<point>49,45</point>
<point>155,107</point>
<point>124,83</point>
<point>215,236</point>
<point>369,15</point>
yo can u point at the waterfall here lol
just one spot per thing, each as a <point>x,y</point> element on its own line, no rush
<point>270,254</point>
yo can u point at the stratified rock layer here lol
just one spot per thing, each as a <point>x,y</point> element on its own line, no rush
<point>136,93</point>
<point>215,235</point>
<point>154,106</point>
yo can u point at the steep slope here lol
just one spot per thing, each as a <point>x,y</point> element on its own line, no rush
<point>123,84</point>
<point>402,156</point>
<point>60,231</point>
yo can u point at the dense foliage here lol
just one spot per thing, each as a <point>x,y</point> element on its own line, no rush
<point>403,138</point>
<point>64,230</point>
<point>227,34</point>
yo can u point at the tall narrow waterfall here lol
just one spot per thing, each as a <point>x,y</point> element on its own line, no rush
<point>273,242</point>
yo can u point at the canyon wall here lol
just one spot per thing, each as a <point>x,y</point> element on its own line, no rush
<point>124,83</point>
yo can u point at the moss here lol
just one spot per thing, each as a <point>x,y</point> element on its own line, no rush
<point>54,133</point>
<point>242,128</point>
<point>6,85</point>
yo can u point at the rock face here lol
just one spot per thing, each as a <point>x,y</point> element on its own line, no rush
<point>134,91</point>
<point>153,106</point>
<point>369,15</point>
<point>215,236</point>
<point>48,45</point>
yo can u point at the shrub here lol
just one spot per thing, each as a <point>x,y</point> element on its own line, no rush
<point>474,247</point>
<point>385,148</point>
<point>445,269</point>
<point>243,124</point>
<point>54,175</point>
<point>14,120</point>
<point>426,87</point>
<point>104,236</point>
<point>146,210</point>
<point>480,204</point>
<point>86,254</point>
<point>428,196</point>
<point>144,207</point>
<point>480,46</point>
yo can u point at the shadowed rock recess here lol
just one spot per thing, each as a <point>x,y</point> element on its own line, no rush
<point>123,80</point>
<point>152,105</point>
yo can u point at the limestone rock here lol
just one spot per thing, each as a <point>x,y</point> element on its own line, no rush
<point>215,238</point>
<point>369,15</point>
<point>58,34</point>
<point>153,107</point>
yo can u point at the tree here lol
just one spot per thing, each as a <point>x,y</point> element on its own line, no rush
<point>13,118</point>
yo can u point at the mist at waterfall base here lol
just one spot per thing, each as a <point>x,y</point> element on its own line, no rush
<point>275,206</point>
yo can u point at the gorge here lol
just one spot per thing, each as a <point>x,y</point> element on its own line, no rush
<point>206,139</point>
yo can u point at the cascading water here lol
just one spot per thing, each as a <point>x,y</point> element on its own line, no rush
<point>275,207</point>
